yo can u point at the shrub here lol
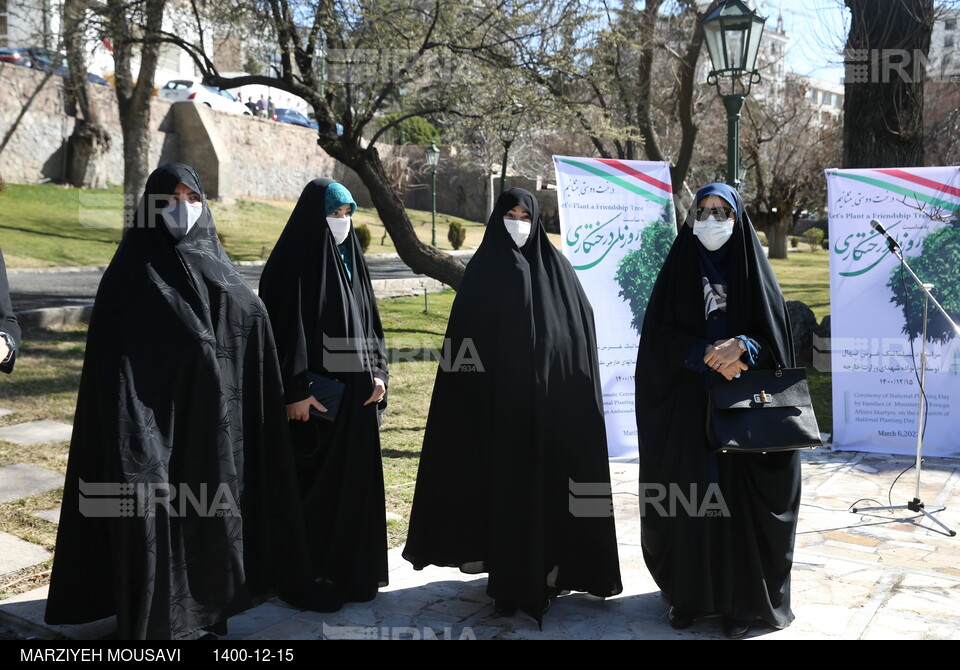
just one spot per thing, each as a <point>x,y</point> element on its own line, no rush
<point>794,241</point>
<point>813,237</point>
<point>763,237</point>
<point>413,130</point>
<point>456,234</point>
<point>363,236</point>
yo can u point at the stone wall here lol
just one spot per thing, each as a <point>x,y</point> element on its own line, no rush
<point>236,156</point>
<point>36,150</point>
<point>255,157</point>
<point>466,191</point>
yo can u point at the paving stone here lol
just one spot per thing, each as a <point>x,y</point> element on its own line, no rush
<point>51,515</point>
<point>257,619</point>
<point>25,613</point>
<point>17,554</point>
<point>36,432</point>
<point>21,480</point>
<point>856,576</point>
<point>853,538</point>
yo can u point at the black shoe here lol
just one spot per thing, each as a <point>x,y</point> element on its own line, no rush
<point>679,618</point>
<point>505,607</point>
<point>735,628</point>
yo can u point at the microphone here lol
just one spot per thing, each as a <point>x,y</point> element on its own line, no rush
<point>891,241</point>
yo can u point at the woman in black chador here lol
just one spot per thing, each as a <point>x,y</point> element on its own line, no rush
<point>715,310</point>
<point>177,505</point>
<point>317,289</point>
<point>515,430</point>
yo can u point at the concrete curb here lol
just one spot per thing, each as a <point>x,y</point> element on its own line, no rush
<point>100,268</point>
<point>59,317</point>
<point>41,271</point>
<point>55,317</point>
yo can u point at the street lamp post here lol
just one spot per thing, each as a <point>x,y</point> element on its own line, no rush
<point>433,159</point>
<point>732,32</point>
<point>508,133</point>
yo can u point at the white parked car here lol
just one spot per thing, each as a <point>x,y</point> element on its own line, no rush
<point>184,90</point>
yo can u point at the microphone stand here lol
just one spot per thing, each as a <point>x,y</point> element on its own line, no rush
<point>916,505</point>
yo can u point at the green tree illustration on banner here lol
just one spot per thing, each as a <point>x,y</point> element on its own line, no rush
<point>637,270</point>
<point>937,264</point>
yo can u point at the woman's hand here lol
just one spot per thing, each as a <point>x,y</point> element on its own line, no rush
<point>300,411</point>
<point>379,390</point>
<point>723,357</point>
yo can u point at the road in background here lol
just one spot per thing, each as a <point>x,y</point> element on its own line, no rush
<point>78,286</point>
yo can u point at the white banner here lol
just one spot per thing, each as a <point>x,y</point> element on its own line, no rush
<point>617,224</point>
<point>876,313</point>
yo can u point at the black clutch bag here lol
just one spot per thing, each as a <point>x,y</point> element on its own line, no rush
<point>761,411</point>
<point>328,392</point>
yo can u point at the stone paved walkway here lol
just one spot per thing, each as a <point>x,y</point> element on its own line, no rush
<point>871,575</point>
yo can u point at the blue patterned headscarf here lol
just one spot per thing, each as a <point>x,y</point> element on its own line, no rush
<point>338,196</point>
<point>724,191</point>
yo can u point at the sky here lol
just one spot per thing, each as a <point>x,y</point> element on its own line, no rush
<point>817,31</point>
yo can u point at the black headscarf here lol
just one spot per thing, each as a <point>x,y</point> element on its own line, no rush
<point>737,565</point>
<point>512,424</point>
<point>180,392</point>
<point>327,322</point>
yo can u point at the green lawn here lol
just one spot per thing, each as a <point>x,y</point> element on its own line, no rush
<point>50,225</point>
<point>805,276</point>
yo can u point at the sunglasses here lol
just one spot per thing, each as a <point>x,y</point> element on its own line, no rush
<point>720,213</point>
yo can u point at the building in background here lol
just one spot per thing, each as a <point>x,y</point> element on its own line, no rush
<point>30,23</point>
<point>943,60</point>
<point>825,96</point>
<point>36,23</point>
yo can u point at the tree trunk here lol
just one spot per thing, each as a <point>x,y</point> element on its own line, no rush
<point>883,94</point>
<point>777,231</point>
<point>133,100</point>
<point>419,257</point>
<point>136,154</point>
<point>89,142</point>
<point>87,149</point>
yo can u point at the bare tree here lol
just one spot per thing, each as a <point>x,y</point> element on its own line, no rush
<point>135,27</point>
<point>626,77</point>
<point>90,141</point>
<point>786,146</point>
<point>352,60</point>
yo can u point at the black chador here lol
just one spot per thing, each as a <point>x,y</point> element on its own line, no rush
<point>326,322</point>
<point>734,561</point>
<point>516,428</point>
<point>178,504</point>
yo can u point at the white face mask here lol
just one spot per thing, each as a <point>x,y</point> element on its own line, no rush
<point>340,228</point>
<point>180,217</point>
<point>519,230</point>
<point>713,234</point>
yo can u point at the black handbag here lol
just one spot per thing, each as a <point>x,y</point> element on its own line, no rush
<point>761,411</point>
<point>328,392</point>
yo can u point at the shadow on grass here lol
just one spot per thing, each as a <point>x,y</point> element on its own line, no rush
<point>60,235</point>
<point>414,330</point>
<point>395,453</point>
